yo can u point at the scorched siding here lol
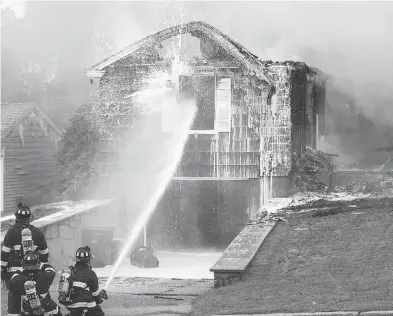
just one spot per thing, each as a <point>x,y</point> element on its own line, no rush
<point>276,146</point>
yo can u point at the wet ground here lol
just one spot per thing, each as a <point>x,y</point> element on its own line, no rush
<point>154,296</point>
<point>173,264</point>
<point>167,290</point>
<point>144,296</point>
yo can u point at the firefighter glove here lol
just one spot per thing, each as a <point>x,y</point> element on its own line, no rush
<point>103,294</point>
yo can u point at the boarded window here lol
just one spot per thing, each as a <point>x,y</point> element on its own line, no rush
<point>223,108</point>
<point>201,89</point>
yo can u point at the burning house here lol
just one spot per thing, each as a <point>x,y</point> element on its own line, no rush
<point>252,115</point>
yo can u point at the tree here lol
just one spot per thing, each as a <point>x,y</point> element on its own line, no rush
<point>79,147</point>
<point>78,150</point>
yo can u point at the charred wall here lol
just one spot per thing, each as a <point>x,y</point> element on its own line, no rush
<point>234,153</point>
<point>264,128</point>
<point>276,125</point>
<point>292,118</point>
<point>298,109</point>
<point>297,118</point>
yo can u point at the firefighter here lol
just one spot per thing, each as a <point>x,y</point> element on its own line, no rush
<point>79,289</point>
<point>32,284</point>
<point>19,239</point>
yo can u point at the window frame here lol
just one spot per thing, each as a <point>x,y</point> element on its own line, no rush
<point>215,129</point>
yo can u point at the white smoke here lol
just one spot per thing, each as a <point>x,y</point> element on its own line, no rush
<point>16,6</point>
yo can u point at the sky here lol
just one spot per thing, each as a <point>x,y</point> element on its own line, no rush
<point>352,41</point>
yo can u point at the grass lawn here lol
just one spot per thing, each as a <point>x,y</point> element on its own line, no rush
<point>323,260</point>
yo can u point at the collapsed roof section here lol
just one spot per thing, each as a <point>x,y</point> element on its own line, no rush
<point>313,74</point>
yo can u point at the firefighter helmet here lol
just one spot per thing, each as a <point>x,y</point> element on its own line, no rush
<point>23,213</point>
<point>31,261</point>
<point>83,254</point>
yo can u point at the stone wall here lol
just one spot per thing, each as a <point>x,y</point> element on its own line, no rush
<point>63,239</point>
<point>65,236</point>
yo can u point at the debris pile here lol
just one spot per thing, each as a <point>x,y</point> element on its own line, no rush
<point>309,169</point>
<point>380,187</point>
<point>264,217</point>
<point>313,172</point>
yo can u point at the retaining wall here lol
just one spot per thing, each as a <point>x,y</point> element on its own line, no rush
<point>238,256</point>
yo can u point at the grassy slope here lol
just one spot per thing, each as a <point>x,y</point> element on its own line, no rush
<point>338,261</point>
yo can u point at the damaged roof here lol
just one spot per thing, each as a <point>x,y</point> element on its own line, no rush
<point>315,72</point>
<point>13,113</point>
<point>250,60</point>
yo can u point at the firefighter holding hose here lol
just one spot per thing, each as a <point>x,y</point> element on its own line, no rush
<point>79,289</point>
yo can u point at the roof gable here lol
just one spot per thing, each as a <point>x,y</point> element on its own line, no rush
<point>248,59</point>
<point>13,113</point>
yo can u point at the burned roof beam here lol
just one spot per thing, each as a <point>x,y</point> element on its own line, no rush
<point>232,47</point>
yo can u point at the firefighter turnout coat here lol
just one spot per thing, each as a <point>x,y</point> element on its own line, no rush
<point>12,250</point>
<point>85,287</point>
<point>43,279</point>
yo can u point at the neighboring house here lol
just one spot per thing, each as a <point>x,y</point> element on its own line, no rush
<point>252,115</point>
<point>29,140</point>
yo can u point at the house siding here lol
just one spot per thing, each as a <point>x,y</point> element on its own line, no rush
<point>28,168</point>
<point>224,154</point>
<point>263,133</point>
<point>234,154</point>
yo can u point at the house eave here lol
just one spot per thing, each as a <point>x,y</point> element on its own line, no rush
<point>93,73</point>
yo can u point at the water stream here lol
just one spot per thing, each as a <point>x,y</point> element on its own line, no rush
<point>172,156</point>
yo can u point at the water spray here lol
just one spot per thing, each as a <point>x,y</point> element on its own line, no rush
<point>155,93</point>
<point>172,159</point>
